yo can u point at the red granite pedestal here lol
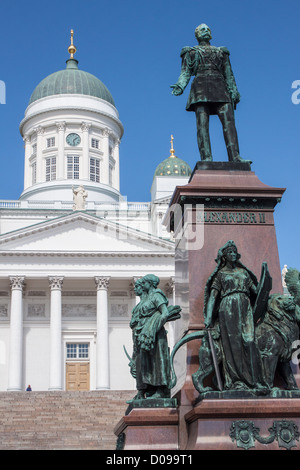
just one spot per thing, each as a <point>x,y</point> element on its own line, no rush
<point>221,202</point>
<point>229,424</point>
<point>149,429</point>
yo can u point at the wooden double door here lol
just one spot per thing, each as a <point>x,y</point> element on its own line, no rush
<point>78,376</point>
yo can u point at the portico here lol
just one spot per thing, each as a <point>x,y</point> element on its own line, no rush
<point>62,299</point>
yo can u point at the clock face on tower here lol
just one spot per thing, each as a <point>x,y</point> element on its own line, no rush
<point>73,139</point>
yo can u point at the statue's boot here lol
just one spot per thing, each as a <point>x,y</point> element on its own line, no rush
<point>234,156</point>
<point>138,396</point>
<point>161,392</point>
<point>239,159</point>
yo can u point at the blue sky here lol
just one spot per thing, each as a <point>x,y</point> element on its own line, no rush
<point>133,46</point>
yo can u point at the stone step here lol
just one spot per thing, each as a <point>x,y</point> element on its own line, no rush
<point>61,420</point>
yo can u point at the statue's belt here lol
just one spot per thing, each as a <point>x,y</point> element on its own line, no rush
<point>208,67</point>
<point>226,294</point>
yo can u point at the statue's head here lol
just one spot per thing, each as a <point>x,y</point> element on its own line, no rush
<point>229,247</point>
<point>203,33</point>
<point>151,279</point>
<point>138,286</point>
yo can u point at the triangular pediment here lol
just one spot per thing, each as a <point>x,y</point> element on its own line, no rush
<point>81,233</point>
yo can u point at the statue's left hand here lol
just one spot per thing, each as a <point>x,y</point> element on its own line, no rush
<point>176,90</point>
<point>236,97</point>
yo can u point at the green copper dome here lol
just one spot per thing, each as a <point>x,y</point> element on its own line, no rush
<point>173,166</point>
<point>71,81</point>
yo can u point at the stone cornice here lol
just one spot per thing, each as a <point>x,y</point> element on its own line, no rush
<point>89,254</point>
<point>81,216</point>
<point>70,107</point>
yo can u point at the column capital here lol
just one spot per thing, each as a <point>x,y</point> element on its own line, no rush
<point>17,282</point>
<point>61,126</point>
<point>56,282</point>
<point>102,282</point>
<point>170,285</point>
<point>106,132</point>
<point>39,130</point>
<point>85,126</point>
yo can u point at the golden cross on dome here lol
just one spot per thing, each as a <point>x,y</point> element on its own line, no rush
<point>72,49</point>
<point>172,151</point>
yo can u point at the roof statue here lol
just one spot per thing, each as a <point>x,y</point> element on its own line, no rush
<point>213,91</point>
<point>79,197</point>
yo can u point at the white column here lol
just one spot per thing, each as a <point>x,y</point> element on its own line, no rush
<point>104,176</point>
<point>85,127</point>
<point>60,164</point>
<point>27,175</point>
<point>16,334</point>
<point>39,154</point>
<point>102,349</point>
<point>116,179</point>
<point>55,284</point>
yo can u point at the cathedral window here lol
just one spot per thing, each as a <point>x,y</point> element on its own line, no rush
<point>50,168</point>
<point>110,174</point>
<point>73,167</point>
<point>33,172</point>
<point>51,142</point>
<point>77,350</point>
<point>95,143</point>
<point>95,170</point>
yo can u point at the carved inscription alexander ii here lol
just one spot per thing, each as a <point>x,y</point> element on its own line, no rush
<point>231,217</point>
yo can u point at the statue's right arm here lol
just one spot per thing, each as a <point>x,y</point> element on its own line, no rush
<point>185,74</point>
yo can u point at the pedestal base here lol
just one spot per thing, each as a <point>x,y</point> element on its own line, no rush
<point>258,424</point>
<point>148,429</point>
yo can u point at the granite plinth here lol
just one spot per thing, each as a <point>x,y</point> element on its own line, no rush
<point>250,424</point>
<point>152,403</point>
<point>149,428</point>
<point>225,166</point>
<point>246,394</point>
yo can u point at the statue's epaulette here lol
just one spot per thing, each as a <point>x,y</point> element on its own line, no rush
<point>224,49</point>
<point>184,50</point>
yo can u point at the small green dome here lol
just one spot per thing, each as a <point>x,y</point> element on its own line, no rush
<point>173,166</point>
<point>71,81</point>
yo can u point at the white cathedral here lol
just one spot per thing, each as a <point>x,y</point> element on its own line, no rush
<point>72,246</point>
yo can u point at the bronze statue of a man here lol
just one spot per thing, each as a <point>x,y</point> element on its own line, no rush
<point>213,91</point>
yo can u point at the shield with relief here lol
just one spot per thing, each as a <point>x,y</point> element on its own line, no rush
<point>263,292</point>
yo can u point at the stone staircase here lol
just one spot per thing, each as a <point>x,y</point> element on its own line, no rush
<point>61,420</point>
